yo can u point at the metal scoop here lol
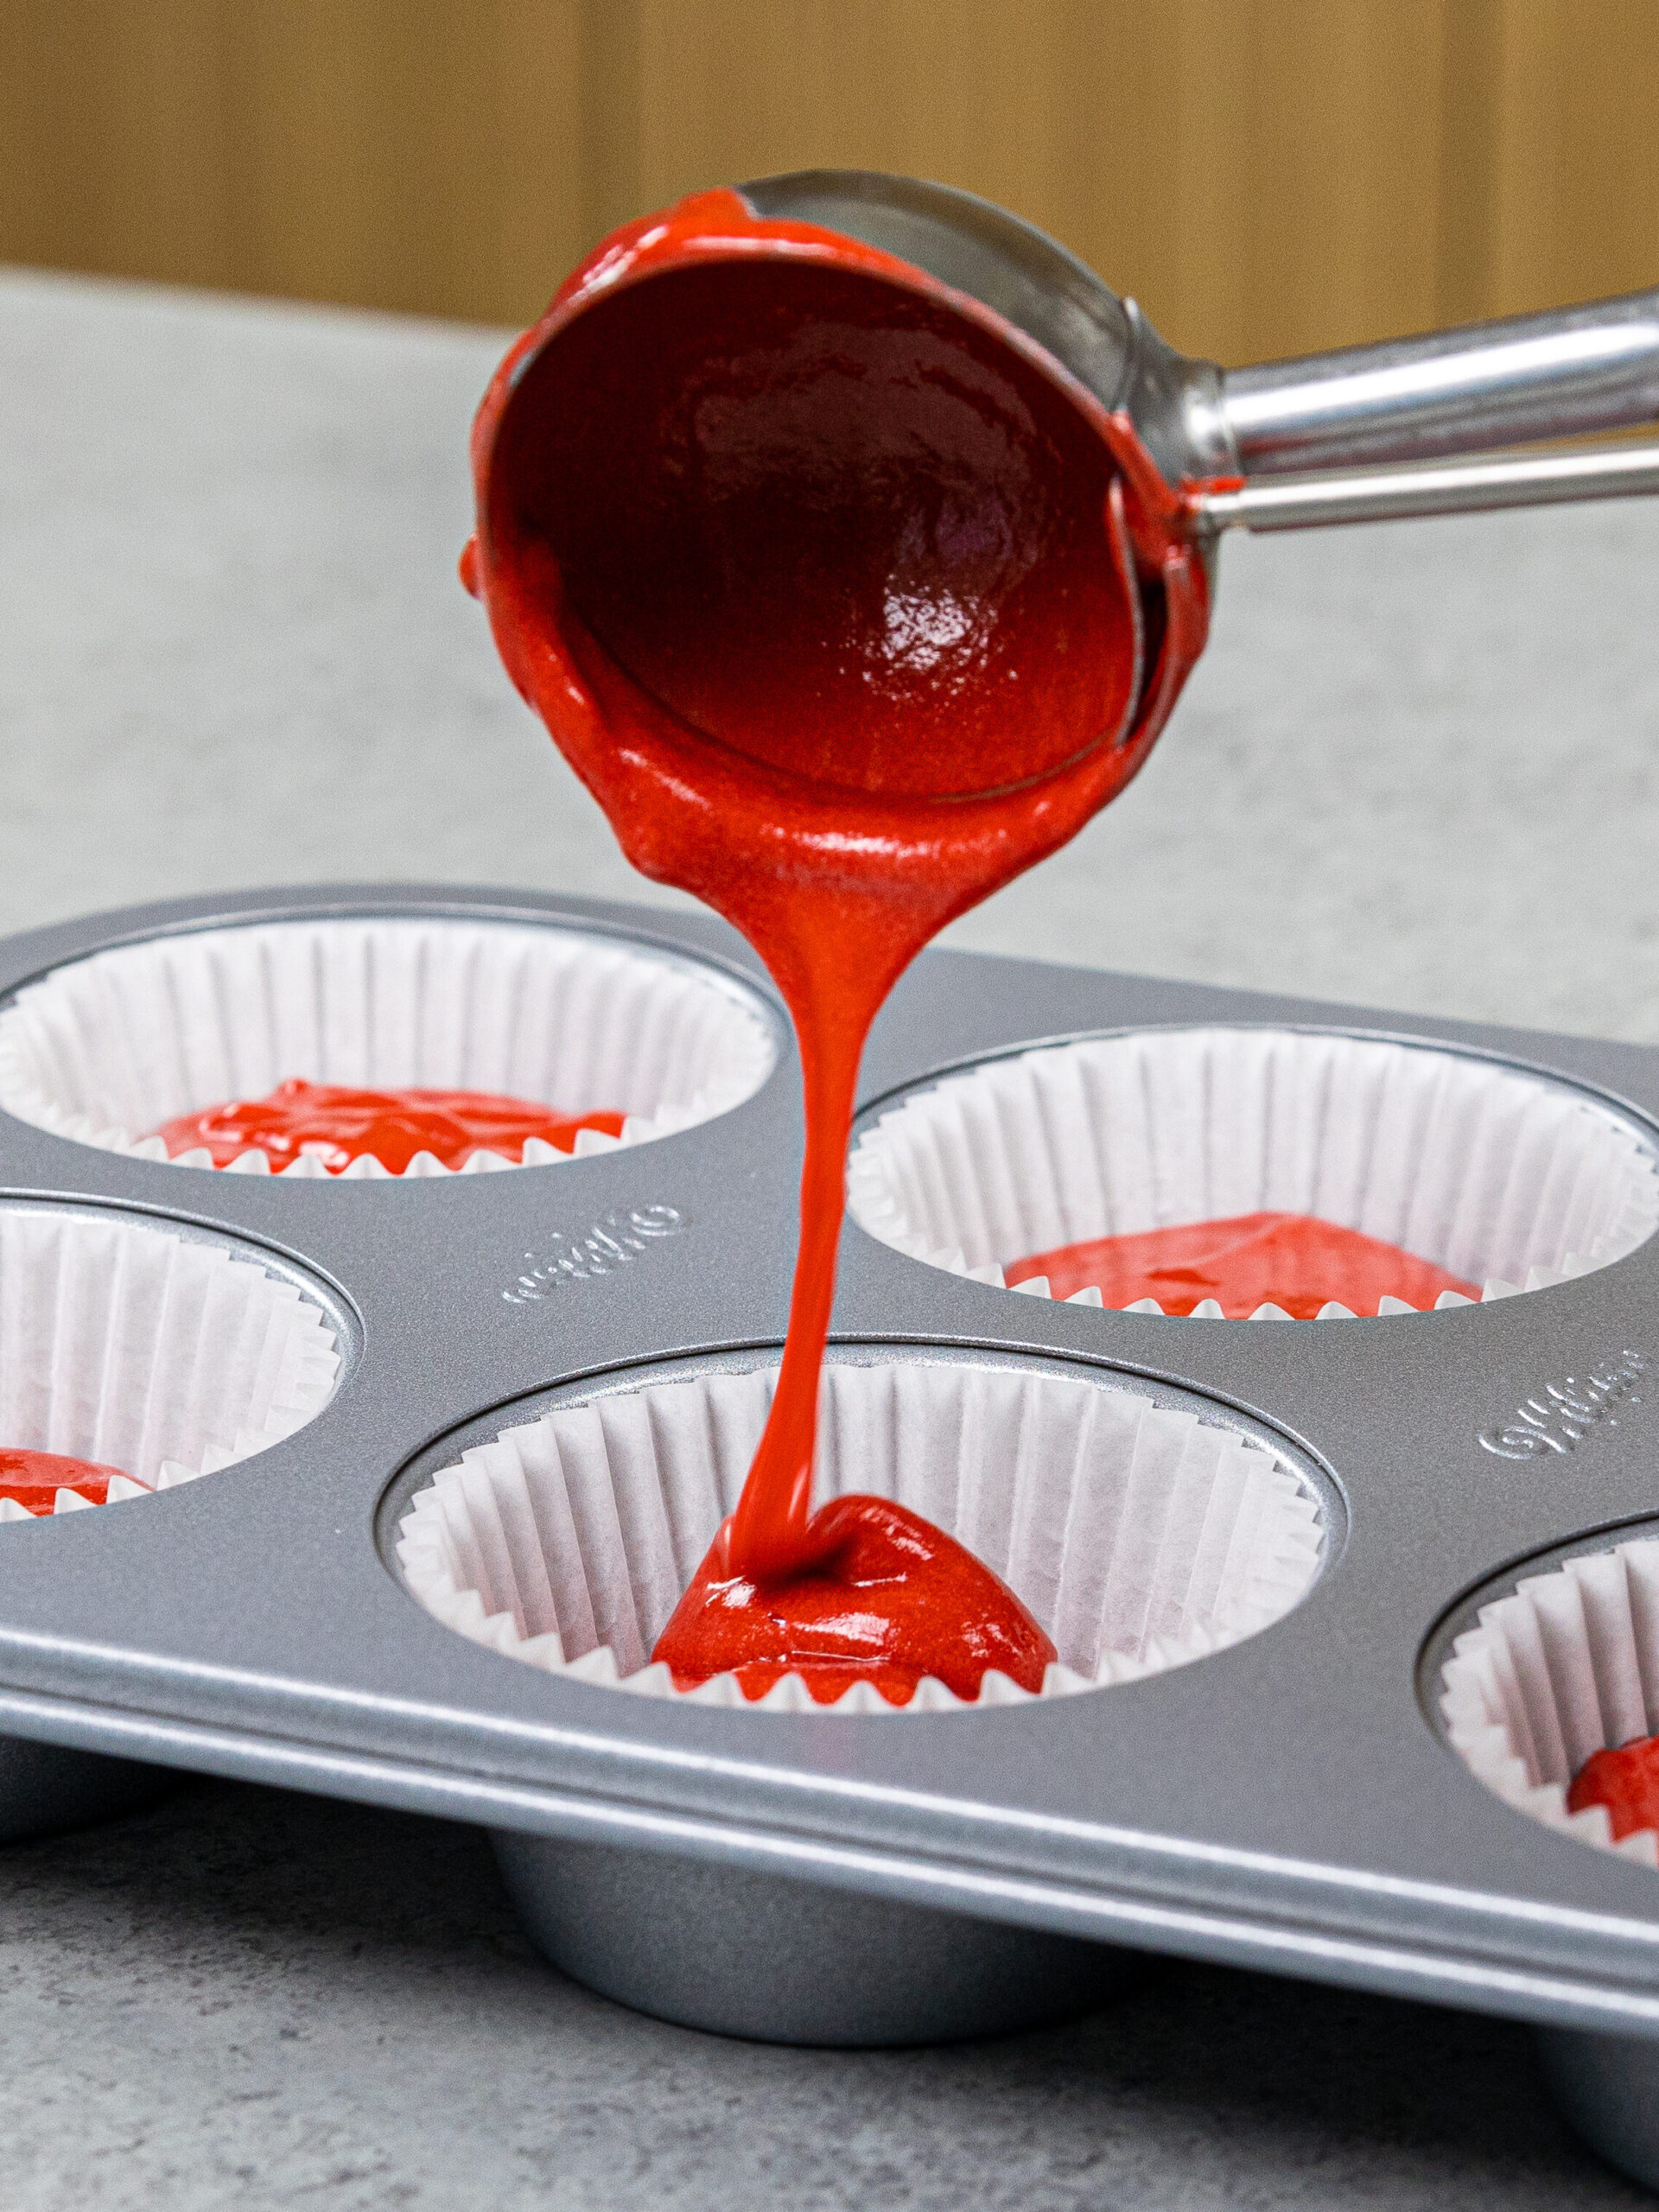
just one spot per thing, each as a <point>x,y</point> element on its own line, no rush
<point>1307,436</point>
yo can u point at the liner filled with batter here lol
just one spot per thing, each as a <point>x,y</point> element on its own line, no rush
<point>154,1356</point>
<point>1140,1537</point>
<point>112,1049</point>
<point>1564,1667</point>
<point>1461,1178</point>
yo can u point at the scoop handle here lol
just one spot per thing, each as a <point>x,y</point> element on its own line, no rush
<point>1529,480</point>
<point>1554,375</point>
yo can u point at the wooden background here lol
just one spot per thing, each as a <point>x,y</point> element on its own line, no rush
<point>1267,176</point>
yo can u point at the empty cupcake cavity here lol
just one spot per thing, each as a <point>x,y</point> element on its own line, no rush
<point>136,1349</point>
<point>108,1049</point>
<point>1139,1535</point>
<point>1500,1177</point>
<point>1565,1666</point>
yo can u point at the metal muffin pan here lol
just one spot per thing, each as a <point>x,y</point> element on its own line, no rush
<point>1286,1804</point>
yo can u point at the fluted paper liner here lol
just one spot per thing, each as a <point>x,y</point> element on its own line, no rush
<point>1566,1666</point>
<point>109,1048</point>
<point>1139,1536</point>
<point>149,1352</point>
<point>1501,1177</point>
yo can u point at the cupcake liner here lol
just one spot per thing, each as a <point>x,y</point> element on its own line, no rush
<point>1566,1666</point>
<point>1139,1536</point>
<point>1501,1179</point>
<point>136,1349</point>
<point>112,1047</point>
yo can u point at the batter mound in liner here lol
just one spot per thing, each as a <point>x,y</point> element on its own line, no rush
<point>447,1045</point>
<point>1140,1537</point>
<point>1136,1171</point>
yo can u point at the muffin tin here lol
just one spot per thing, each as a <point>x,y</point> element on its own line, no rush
<point>1290,1801</point>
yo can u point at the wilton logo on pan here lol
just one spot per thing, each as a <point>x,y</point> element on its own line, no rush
<point>1563,1413</point>
<point>614,1241</point>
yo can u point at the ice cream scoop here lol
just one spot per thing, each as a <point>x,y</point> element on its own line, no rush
<point>1330,420</point>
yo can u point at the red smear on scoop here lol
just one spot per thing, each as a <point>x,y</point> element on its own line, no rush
<point>881,1595</point>
<point>1625,1781</point>
<point>337,1125</point>
<point>1291,1260</point>
<point>32,1479</point>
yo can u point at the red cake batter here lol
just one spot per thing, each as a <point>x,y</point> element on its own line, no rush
<point>1625,1781</point>
<point>889,1598</point>
<point>848,604</point>
<point>337,1126</point>
<point>1293,1260</point>
<point>34,1478</point>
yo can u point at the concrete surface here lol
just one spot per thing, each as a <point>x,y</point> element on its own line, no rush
<point>1419,767</point>
<point>250,1998</point>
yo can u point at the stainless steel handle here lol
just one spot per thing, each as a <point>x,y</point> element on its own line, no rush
<point>1498,384</point>
<point>1488,385</point>
<point>1445,487</point>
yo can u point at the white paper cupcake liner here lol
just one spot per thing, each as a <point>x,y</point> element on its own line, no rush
<point>1500,1177</point>
<point>109,1048</point>
<point>1139,1536</point>
<point>153,1353</point>
<point>1566,1666</point>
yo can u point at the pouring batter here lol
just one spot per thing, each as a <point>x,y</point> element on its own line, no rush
<point>848,604</point>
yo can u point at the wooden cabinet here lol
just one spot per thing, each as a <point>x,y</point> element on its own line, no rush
<point>1267,176</point>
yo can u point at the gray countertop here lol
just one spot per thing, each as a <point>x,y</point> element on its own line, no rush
<point>1418,767</point>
